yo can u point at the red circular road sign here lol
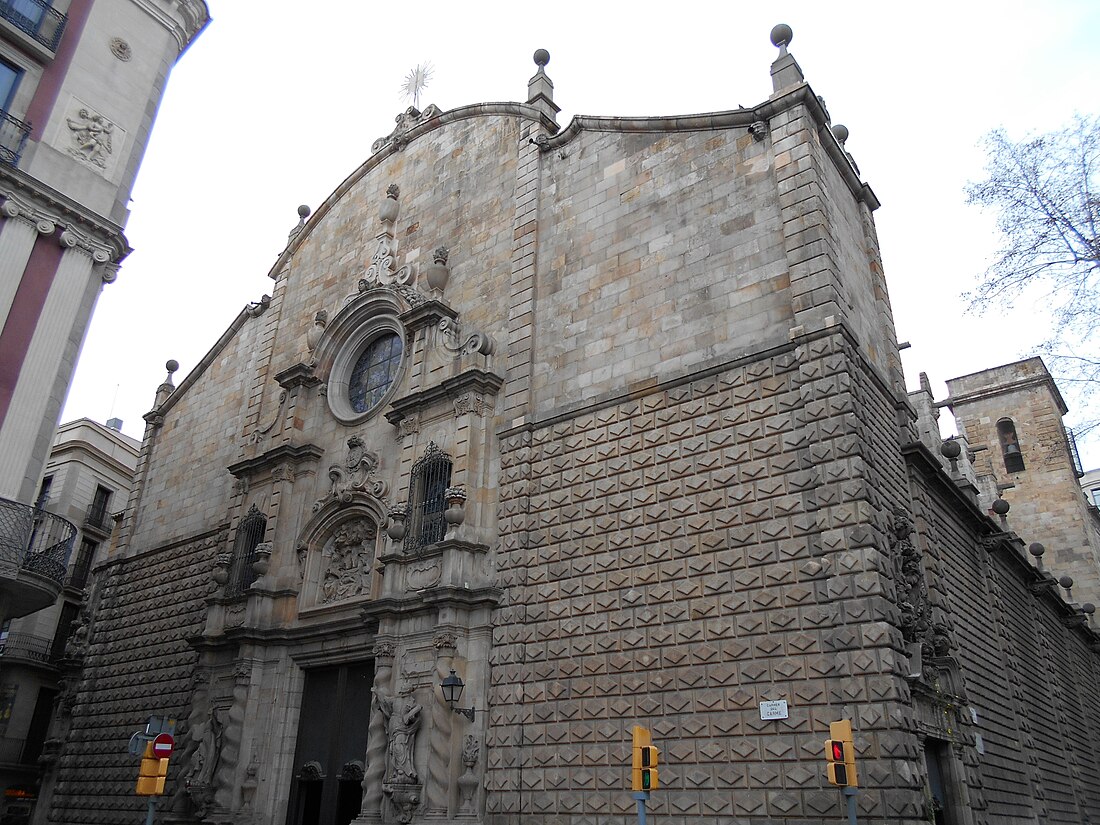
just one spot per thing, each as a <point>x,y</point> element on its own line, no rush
<point>162,745</point>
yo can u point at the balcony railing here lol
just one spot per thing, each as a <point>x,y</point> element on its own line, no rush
<point>29,646</point>
<point>98,518</point>
<point>37,541</point>
<point>36,18</point>
<point>13,137</point>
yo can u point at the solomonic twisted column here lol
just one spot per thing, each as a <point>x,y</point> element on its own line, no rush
<point>375,768</point>
<point>438,786</point>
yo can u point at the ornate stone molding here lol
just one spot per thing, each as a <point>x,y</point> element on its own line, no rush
<point>356,475</point>
<point>457,343</point>
<point>43,224</point>
<point>71,239</point>
<point>406,122</point>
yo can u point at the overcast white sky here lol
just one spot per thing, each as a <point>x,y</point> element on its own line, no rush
<point>278,101</point>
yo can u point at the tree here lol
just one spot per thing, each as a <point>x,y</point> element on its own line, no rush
<point>1046,192</point>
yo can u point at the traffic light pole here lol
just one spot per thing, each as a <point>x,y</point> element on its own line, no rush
<point>642,797</point>
<point>850,798</point>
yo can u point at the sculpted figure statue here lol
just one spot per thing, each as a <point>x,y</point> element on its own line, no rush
<point>402,716</point>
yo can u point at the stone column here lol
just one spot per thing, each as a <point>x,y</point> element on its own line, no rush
<point>17,236</point>
<point>373,773</point>
<point>438,786</point>
<point>50,359</point>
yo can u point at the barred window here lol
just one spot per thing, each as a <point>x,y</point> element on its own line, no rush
<point>249,534</point>
<point>431,476</point>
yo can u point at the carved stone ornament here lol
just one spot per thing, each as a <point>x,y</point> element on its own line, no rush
<point>469,782</point>
<point>423,575</point>
<point>347,562</point>
<point>402,715</point>
<point>121,49</point>
<point>470,402</point>
<point>356,475</point>
<point>260,433</point>
<point>383,270</point>
<point>311,772</point>
<point>406,122</point>
<point>91,137</point>
<point>385,650</point>
<point>199,779</point>
<point>446,639</point>
<point>456,343</point>
<point>758,130</point>
<point>316,330</point>
<point>912,592</point>
<point>409,425</point>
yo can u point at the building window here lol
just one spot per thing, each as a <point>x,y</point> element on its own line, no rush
<point>97,513</point>
<point>10,76</point>
<point>1094,496</point>
<point>431,476</point>
<point>44,493</point>
<point>1010,446</point>
<point>249,534</point>
<point>83,564</point>
<point>374,372</point>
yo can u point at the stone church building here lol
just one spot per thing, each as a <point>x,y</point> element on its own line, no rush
<point>608,423</point>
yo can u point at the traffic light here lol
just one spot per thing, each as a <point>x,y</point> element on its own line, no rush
<point>840,755</point>
<point>151,776</point>
<point>644,773</point>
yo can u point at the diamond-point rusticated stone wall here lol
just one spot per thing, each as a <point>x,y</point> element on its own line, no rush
<point>675,559</point>
<point>138,664</point>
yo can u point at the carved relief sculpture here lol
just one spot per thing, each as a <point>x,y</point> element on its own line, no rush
<point>91,137</point>
<point>402,716</point>
<point>912,592</point>
<point>347,573</point>
<point>468,782</point>
<point>199,779</point>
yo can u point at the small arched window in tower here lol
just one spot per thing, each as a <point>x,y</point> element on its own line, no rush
<point>431,476</point>
<point>1010,446</point>
<point>249,534</point>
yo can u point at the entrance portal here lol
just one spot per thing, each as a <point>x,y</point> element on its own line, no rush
<point>331,746</point>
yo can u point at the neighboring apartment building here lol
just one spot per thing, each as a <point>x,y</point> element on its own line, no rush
<point>80,83</point>
<point>605,425</point>
<point>87,481</point>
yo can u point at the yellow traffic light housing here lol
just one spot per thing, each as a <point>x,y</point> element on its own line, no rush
<point>152,774</point>
<point>840,755</point>
<point>645,758</point>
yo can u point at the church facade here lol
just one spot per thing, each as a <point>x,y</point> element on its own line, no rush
<point>606,423</point>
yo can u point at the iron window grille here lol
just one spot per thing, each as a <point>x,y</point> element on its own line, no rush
<point>431,476</point>
<point>249,535</point>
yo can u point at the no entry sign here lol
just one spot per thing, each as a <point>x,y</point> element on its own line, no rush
<point>162,745</point>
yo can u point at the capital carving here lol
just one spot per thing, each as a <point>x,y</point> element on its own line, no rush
<point>445,641</point>
<point>385,650</point>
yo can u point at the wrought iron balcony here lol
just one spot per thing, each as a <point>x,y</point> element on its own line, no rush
<point>99,518</point>
<point>36,18</point>
<point>34,552</point>
<point>30,647</point>
<point>13,137</point>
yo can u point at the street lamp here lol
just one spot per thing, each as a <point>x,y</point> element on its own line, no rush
<point>452,691</point>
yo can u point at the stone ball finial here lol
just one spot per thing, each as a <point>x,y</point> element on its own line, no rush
<point>782,35</point>
<point>840,132</point>
<point>950,448</point>
<point>1088,607</point>
<point>1066,582</point>
<point>1036,549</point>
<point>1001,507</point>
<point>303,211</point>
<point>171,365</point>
<point>542,57</point>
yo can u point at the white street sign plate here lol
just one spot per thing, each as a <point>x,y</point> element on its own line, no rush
<point>774,710</point>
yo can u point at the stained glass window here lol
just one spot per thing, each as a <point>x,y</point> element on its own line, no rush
<point>374,371</point>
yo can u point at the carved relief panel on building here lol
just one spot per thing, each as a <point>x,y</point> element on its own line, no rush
<point>340,566</point>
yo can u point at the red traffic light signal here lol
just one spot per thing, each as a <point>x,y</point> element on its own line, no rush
<point>840,755</point>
